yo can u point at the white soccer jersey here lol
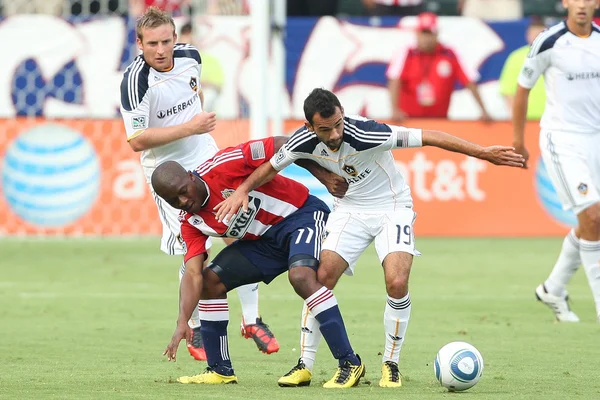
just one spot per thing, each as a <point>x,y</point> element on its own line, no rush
<point>364,159</point>
<point>571,69</point>
<point>150,98</point>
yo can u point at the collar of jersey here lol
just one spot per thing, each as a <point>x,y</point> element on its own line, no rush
<point>207,190</point>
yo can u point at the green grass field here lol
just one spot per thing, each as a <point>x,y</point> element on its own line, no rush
<point>89,319</point>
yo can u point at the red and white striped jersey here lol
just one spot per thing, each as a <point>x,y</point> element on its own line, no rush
<point>268,204</point>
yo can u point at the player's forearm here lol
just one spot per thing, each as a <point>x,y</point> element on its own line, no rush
<point>154,137</point>
<point>259,177</point>
<point>519,115</point>
<point>451,143</point>
<point>190,289</point>
<point>315,169</point>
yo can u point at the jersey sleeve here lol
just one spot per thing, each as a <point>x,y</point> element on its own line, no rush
<point>366,134</point>
<point>256,152</point>
<point>300,145</point>
<point>135,99</point>
<point>195,241</point>
<point>536,63</point>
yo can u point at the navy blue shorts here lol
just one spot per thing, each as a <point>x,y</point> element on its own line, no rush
<point>294,241</point>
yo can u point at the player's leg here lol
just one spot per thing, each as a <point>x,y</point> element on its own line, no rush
<point>252,325</point>
<point>566,161</point>
<point>347,236</point>
<point>395,246</point>
<point>230,269</point>
<point>304,252</point>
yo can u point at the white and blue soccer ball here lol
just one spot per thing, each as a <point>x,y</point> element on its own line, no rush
<point>458,366</point>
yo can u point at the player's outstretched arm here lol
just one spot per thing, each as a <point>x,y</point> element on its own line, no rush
<point>519,115</point>
<point>153,137</point>
<point>189,295</point>
<point>335,184</point>
<point>498,155</point>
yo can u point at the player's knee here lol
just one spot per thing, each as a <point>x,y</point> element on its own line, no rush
<point>303,280</point>
<point>589,222</point>
<point>327,278</point>
<point>212,287</point>
<point>397,286</point>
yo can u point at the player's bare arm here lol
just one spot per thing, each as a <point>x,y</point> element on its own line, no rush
<point>498,155</point>
<point>189,295</point>
<point>335,184</point>
<point>153,137</point>
<point>477,96</point>
<point>519,115</point>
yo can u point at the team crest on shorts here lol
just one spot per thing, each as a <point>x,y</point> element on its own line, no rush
<point>194,83</point>
<point>350,170</point>
<point>583,188</point>
<point>227,192</point>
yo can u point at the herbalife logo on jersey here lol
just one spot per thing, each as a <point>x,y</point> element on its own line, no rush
<point>178,108</point>
<point>239,224</point>
<point>579,76</point>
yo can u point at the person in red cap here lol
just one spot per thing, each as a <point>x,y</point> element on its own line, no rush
<point>421,79</point>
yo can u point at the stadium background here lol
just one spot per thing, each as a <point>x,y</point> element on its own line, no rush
<point>67,169</point>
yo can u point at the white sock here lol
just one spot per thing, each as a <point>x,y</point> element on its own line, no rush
<point>249,299</point>
<point>590,257</point>
<point>310,337</point>
<point>395,322</point>
<point>194,321</point>
<point>567,263</point>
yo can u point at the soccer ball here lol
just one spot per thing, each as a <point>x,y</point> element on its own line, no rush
<point>458,366</point>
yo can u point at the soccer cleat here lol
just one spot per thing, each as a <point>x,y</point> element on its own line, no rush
<point>208,377</point>
<point>559,305</point>
<point>346,376</point>
<point>298,376</point>
<point>196,348</point>
<point>262,335</point>
<point>390,375</point>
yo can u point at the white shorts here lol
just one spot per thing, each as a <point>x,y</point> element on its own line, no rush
<point>573,165</point>
<point>349,234</point>
<point>171,241</point>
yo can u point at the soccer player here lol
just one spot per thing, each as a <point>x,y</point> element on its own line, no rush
<point>281,231</point>
<point>568,56</point>
<point>161,105</point>
<point>376,208</point>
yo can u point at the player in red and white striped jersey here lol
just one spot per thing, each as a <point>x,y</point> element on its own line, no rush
<point>281,231</point>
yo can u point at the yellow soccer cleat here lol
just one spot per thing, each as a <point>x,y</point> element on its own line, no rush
<point>390,375</point>
<point>298,376</point>
<point>346,376</point>
<point>208,377</point>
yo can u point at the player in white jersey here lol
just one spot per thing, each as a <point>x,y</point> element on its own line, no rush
<point>376,208</point>
<point>161,105</point>
<point>568,55</point>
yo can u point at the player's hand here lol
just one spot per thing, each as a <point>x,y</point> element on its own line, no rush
<point>503,155</point>
<point>182,331</point>
<point>520,149</point>
<point>485,117</point>
<point>203,122</point>
<point>335,184</point>
<point>230,206</point>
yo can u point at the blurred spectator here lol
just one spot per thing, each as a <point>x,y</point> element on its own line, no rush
<point>311,8</point>
<point>421,80</point>
<point>211,74</point>
<point>173,7</point>
<point>512,68</point>
<point>93,7</point>
<point>491,10</point>
<point>394,7</point>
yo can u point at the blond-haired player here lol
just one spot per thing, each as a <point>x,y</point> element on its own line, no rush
<point>161,105</point>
